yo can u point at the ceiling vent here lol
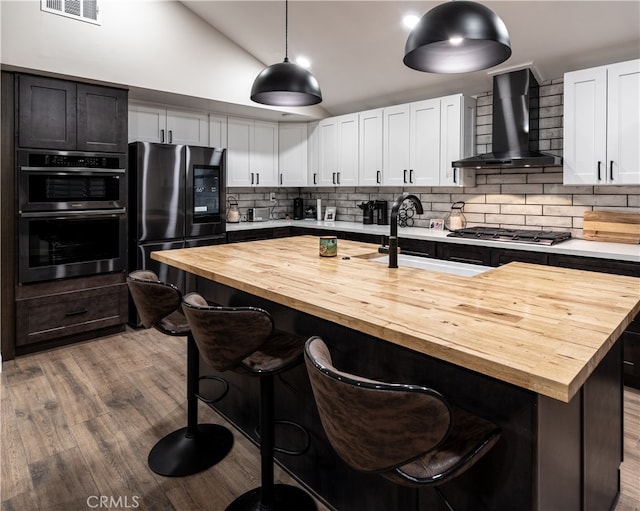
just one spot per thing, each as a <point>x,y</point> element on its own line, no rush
<point>83,10</point>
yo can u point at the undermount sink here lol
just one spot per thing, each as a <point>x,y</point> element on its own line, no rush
<point>425,263</point>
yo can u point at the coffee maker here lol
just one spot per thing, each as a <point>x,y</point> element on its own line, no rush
<point>382,213</point>
<point>298,208</point>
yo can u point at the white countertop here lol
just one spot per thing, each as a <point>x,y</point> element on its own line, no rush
<point>576,247</point>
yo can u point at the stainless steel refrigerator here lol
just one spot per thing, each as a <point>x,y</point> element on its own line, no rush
<point>176,200</point>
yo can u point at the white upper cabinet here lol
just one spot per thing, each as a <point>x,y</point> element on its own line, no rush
<point>293,154</point>
<point>168,126</point>
<point>457,139</point>
<point>602,125</point>
<point>252,152</point>
<point>338,151</point>
<point>421,140</point>
<point>425,143</point>
<point>217,130</point>
<point>396,145</point>
<point>370,171</point>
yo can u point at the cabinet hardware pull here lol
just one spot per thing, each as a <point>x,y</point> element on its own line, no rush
<point>333,179</point>
<point>411,175</point>
<point>405,176</point>
<point>280,178</point>
<point>315,178</point>
<point>76,312</point>
<point>599,163</point>
<point>378,176</point>
<point>252,178</point>
<point>171,136</point>
<point>455,179</point>
<point>162,136</point>
<point>465,260</point>
<point>338,177</point>
<point>257,178</point>
<point>611,170</point>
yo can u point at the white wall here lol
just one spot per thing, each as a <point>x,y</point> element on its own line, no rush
<point>151,44</point>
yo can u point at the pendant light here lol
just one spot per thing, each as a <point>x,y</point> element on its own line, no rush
<point>457,37</point>
<point>286,83</point>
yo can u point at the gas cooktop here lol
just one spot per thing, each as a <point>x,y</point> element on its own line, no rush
<point>512,235</point>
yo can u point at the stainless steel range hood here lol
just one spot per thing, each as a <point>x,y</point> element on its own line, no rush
<point>515,133</point>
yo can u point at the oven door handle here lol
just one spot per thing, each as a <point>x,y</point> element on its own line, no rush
<point>74,170</point>
<point>75,213</point>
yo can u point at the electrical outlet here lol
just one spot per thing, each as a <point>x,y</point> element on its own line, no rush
<point>272,197</point>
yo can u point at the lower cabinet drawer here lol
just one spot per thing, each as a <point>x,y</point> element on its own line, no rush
<point>631,357</point>
<point>54,316</point>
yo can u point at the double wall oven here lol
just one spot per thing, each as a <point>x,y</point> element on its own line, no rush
<point>72,214</point>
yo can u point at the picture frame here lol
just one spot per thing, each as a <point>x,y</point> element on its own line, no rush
<point>329,214</point>
<point>437,224</point>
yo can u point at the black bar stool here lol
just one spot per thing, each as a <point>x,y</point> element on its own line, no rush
<point>196,447</point>
<point>243,339</point>
<point>406,433</point>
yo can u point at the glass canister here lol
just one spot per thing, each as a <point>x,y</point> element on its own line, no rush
<point>455,219</point>
<point>233,213</point>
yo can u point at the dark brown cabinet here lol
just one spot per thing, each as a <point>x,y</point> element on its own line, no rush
<point>58,114</point>
<point>70,309</point>
<point>472,254</point>
<point>500,256</point>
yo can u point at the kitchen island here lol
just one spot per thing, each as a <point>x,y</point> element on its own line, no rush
<point>533,348</point>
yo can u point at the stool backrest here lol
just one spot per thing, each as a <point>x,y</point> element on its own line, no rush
<point>154,299</point>
<point>372,425</point>
<point>226,335</point>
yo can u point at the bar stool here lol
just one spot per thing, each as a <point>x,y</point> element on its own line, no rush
<point>408,434</point>
<point>244,340</point>
<point>196,447</point>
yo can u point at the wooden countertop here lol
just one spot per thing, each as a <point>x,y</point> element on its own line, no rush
<point>541,328</point>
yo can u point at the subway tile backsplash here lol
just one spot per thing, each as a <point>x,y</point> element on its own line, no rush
<point>511,198</point>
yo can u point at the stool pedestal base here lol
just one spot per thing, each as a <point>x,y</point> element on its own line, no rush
<point>286,498</point>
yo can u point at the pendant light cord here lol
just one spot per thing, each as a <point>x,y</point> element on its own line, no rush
<point>286,30</point>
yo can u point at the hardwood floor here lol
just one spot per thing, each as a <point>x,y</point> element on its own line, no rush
<point>78,422</point>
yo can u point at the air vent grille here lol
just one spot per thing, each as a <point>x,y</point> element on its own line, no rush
<point>83,10</point>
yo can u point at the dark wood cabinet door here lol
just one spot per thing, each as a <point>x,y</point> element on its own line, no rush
<point>501,256</point>
<point>46,113</point>
<point>102,119</point>
<point>472,254</point>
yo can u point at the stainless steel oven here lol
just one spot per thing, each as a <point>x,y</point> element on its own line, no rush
<point>72,218</point>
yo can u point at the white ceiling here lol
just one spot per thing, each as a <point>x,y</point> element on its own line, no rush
<point>356,47</point>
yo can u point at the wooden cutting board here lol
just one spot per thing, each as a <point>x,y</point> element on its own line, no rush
<point>611,226</point>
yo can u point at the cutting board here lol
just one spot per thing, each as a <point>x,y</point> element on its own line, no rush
<point>611,226</point>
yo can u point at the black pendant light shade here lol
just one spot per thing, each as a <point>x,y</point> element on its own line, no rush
<point>457,37</point>
<point>286,83</point>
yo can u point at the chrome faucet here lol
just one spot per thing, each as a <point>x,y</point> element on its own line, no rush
<point>393,236</point>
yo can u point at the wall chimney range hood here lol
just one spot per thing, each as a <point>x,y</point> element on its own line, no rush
<point>515,128</point>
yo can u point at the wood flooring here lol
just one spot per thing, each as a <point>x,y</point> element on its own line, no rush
<point>77,424</point>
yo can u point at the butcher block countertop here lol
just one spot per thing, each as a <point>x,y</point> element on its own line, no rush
<point>541,328</point>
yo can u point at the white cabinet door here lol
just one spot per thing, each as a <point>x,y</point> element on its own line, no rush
<point>188,128</point>
<point>146,123</point>
<point>264,153</point>
<point>217,131</point>
<point>348,140</point>
<point>425,143</point>
<point>396,145</point>
<point>457,126</point>
<point>370,172</point>
<point>602,125</point>
<point>585,126</point>
<point>314,153</point>
<point>239,135</point>
<point>327,152</point>
<point>623,123</point>
<point>252,152</point>
<point>293,154</point>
